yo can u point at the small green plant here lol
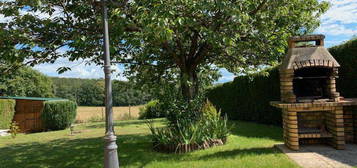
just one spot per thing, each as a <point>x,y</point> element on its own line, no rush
<point>209,111</point>
<point>14,129</point>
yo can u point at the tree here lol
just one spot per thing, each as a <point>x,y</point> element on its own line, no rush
<point>125,94</point>
<point>26,82</point>
<point>175,40</point>
<point>68,88</point>
<point>91,93</point>
<point>187,37</point>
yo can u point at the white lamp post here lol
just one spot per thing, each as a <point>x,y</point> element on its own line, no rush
<point>110,149</point>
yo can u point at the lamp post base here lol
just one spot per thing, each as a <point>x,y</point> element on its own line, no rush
<point>110,151</point>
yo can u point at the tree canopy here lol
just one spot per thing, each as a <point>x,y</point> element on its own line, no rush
<point>26,82</point>
<point>177,40</point>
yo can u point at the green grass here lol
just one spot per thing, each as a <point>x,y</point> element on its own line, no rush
<point>249,146</point>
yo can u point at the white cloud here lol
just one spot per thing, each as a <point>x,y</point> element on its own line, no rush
<point>78,70</point>
<point>331,43</point>
<point>343,11</point>
<point>336,30</point>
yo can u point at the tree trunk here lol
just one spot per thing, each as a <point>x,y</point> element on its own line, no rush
<point>189,84</point>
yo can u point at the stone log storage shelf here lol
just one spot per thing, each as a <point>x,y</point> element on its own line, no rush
<point>313,111</point>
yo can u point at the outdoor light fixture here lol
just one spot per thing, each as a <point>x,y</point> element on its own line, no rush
<point>110,149</point>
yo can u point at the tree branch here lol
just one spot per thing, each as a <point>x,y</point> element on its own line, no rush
<point>194,45</point>
<point>200,55</point>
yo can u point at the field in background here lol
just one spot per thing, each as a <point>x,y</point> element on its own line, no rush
<point>91,114</point>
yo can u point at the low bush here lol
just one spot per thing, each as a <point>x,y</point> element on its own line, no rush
<point>58,115</point>
<point>152,109</point>
<point>7,111</point>
<point>184,133</point>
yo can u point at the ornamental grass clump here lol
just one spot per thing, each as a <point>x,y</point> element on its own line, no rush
<point>189,128</point>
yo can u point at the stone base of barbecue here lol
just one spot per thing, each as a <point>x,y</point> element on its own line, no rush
<point>333,123</point>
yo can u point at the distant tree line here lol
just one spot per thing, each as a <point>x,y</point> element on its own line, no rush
<point>90,92</point>
<point>28,82</point>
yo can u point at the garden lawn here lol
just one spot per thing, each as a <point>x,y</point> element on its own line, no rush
<point>249,146</point>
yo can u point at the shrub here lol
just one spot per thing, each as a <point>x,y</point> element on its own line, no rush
<point>14,129</point>
<point>183,132</point>
<point>7,111</point>
<point>152,110</point>
<point>209,111</point>
<point>58,115</point>
<point>215,126</point>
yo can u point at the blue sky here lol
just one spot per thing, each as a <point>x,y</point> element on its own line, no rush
<point>338,24</point>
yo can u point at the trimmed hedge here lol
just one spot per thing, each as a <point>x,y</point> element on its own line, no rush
<point>346,55</point>
<point>7,112</point>
<point>59,114</point>
<point>247,97</point>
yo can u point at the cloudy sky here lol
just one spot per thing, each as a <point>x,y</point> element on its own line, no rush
<point>338,24</point>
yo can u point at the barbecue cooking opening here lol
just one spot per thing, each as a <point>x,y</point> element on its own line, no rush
<point>311,83</point>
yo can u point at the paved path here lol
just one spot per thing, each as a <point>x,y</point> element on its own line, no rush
<point>319,156</point>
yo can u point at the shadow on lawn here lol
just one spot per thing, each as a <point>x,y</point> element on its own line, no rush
<point>134,150</point>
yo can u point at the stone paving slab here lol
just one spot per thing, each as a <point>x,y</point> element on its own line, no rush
<point>321,156</point>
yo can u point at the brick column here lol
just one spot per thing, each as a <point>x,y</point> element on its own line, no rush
<point>290,126</point>
<point>335,126</point>
<point>348,124</point>
<point>286,86</point>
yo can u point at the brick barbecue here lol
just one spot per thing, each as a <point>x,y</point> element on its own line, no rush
<point>313,111</point>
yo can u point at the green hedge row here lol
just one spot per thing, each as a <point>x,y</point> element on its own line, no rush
<point>59,114</point>
<point>346,56</point>
<point>7,111</point>
<point>247,97</point>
